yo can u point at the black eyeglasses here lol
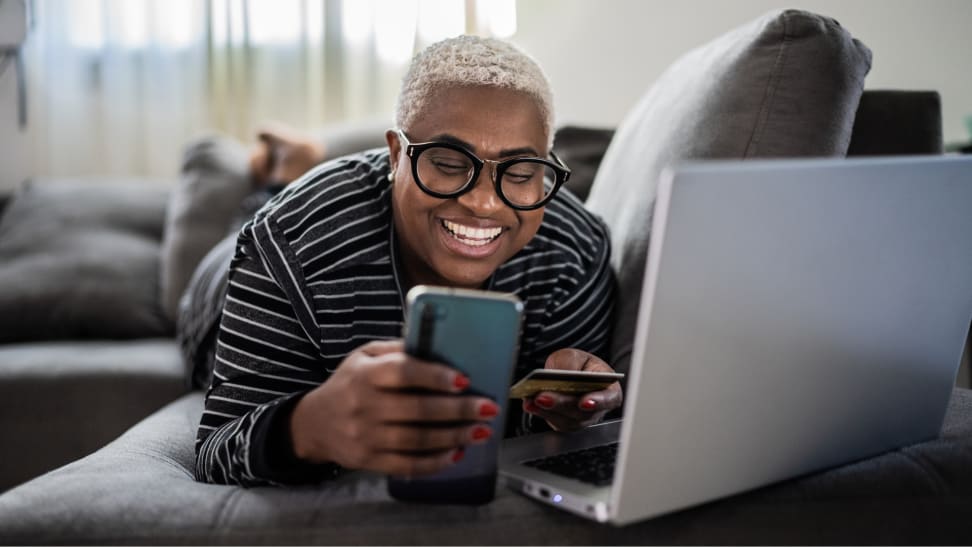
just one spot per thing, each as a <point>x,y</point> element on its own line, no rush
<point>445,170</point>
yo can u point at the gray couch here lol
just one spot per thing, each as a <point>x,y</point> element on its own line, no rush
<point>100,357</point>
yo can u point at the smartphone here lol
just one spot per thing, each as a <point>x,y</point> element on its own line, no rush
<point>476,332</point>
<point>574,382</point>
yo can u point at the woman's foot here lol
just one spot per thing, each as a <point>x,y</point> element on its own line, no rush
<point>281,155</point>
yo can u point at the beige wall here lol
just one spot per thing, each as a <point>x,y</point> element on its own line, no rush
<point>602,54</point>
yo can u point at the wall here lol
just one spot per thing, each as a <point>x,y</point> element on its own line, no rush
<point>602,55</point>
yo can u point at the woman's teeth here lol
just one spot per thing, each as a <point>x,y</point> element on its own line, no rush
<point>469,235</point>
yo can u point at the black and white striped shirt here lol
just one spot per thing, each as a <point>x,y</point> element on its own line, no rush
<point>316,275</point>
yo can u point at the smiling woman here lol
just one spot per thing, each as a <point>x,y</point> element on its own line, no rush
<point>311,377</point>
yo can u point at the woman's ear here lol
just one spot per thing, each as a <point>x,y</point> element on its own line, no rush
<point>394,148</point>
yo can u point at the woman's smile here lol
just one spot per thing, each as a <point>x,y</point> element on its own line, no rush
<point>469,239</point>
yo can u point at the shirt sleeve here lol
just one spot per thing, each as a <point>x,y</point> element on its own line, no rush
<point>265,361</point>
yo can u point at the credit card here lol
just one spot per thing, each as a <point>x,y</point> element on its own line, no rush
<point>562,381</point>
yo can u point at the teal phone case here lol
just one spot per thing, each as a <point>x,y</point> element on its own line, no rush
<point>476,332</point>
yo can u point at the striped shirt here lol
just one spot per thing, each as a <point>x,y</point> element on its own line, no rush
<point>316,274</point>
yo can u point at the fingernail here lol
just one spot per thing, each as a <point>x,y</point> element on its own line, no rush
<point>488,410</point>
<point>458,454</point>
<point>544,401</point>
<point>479,433</point>
<point>530,407</point>
<point>461,381</point>
<point>588,404</point>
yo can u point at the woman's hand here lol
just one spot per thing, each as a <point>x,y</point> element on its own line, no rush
<point>368,415</point>
<point>571,412</point>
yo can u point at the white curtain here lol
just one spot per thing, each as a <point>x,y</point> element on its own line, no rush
<point>117,87</point>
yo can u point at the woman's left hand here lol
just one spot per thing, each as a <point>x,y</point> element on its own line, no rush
<point>567,412</point>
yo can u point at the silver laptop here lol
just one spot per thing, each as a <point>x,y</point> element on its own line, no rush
<point>795,315</point>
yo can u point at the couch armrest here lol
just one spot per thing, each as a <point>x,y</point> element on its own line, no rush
<point>62,400</point>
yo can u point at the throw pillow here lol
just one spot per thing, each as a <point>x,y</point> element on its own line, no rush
<point>786,84</point>
<point>202,209</point>
<point>80,260</point>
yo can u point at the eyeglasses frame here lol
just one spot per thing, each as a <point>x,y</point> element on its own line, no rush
<point>413,150</point>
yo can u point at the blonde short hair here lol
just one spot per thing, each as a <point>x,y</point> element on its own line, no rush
<point>472,61</point>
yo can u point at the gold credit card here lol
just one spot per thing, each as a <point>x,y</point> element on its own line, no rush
<point>562,381</point>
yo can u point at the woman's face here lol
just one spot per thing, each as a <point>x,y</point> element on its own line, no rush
<point>461,241</point>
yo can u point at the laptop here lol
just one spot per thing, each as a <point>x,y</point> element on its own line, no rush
<point>795,315</point>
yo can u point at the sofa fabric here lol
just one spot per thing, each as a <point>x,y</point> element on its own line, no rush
<point>202,208</point>
<point>785,85</point>
<point>894,122</point>
<point>62,400</point>
<point>79,260</point>
<point>582,149</point>
<point>139,489</point>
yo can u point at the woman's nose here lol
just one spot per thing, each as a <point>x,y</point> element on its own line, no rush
<point>482,199</point>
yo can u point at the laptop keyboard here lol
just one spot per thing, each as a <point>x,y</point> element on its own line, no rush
<point>593,465</point>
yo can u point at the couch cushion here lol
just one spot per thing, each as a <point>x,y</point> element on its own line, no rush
<point>202,210</point>
<point>139,490</point>
<point>79,259</point>
<point>582,149</point>
<point>787,84</point>
<point>897,122</point>
<point>61,400</point>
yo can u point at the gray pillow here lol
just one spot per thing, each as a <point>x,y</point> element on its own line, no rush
<point>202,210</point>
<point>80,260</point>
<point>786,84</point>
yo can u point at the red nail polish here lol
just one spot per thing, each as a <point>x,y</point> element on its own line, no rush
<point>461,381</point>
<point>479,433</point>
<point>530,407</point>
<point>458,454</point>
<point>544,401</point>
<point>588,404</point>
<point>488,410</point>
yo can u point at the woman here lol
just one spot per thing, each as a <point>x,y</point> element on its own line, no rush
<point>311,376</point>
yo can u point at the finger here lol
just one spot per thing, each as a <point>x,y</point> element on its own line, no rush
<point>381,347</point>
<point>561,405</point>
<point>558,422</point>
<point>578,406</point>
<point>400,407</point>
<point>400,371</point>
<point>606,399</point>
<point>404,464</point>
<point>575,359</point>
<point>567,359</point>
<point>401,437</point>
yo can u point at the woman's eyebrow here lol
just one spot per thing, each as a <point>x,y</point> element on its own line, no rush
<point>452,139</point>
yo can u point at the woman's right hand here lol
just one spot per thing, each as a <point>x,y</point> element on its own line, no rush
<point>367,415</point>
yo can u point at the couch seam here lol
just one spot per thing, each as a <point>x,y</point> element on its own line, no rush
<point>930,471</point>
<point>227,509</point>
<point>162,459</point>
<point>771,88</point>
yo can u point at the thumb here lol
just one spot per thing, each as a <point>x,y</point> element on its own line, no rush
<point>567,359</point>
<point>381,347</point>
